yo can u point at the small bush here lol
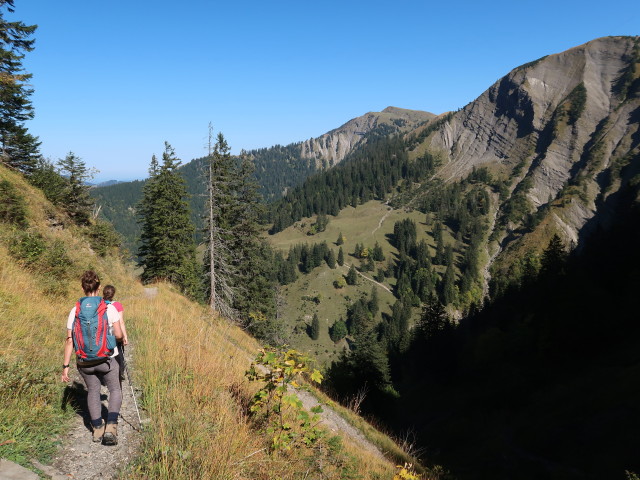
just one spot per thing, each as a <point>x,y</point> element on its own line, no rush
<point>103,237</point>
<point>51,261</point>
<point>28,248</point>
<point>13,209</point>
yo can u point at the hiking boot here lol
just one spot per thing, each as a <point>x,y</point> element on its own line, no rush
<point>110,434</point>
<point>98,432</point>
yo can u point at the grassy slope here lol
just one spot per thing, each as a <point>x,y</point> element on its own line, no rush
<point>190,367</point>
<point>358,225</point>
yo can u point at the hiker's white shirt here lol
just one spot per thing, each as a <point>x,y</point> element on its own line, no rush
<point>112,316</point>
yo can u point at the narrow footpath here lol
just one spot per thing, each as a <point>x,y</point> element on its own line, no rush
<point>81,459</point>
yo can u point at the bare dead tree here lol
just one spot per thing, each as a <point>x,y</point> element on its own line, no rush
<point>219,255</point>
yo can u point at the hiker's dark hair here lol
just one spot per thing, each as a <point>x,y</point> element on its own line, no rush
<point>90,281</point>
<point>108,292</point>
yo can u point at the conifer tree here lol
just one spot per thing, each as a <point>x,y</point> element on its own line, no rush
<point>340,239</point>
<point>370,361</point>
<point>338,331</point>
<point>331,259</point>
<point>75,197</point>
<point>433,320</point>
<point>340,257</point>
<point>167,250</point>
<point>251,253</point>
<point>377,253</point>
<point>439,258</point>
<point>553,257</point>
<point>352,276</point>
<point>239,264</point>
<point>314,331</point>
<point>19,148</point>
<point>374,307</point>
<point>448,286</point>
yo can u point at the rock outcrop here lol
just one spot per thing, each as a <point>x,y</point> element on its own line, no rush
<point>332,147</point>
<point>564,123</point>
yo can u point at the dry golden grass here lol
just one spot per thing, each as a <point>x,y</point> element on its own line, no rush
<point>191,366</point>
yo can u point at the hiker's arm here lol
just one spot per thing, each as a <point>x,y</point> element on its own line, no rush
<point>117,331</point>
<point>125,339</point>
<point>68,350</point>
<point>114,321</point>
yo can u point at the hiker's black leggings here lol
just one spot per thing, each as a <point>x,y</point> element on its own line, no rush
<point>109,373</point>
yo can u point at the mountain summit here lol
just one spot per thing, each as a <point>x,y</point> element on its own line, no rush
<point>332,147</point>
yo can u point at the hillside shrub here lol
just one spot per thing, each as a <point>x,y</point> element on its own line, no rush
<point>276,405</point>
<point>338,330</point>
<point>13,209</point>
<point>27,248</point>
<point>50,260</point>
<point>103,237</point>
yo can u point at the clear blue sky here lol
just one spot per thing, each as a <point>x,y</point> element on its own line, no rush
<point>114,80</point>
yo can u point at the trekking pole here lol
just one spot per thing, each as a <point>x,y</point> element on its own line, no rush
<point>126,369</point>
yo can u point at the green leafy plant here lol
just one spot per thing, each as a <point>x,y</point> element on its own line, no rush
<point>286,421</point>
<point>405,472</point>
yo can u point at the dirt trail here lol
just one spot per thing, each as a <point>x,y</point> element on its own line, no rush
<point>382,219</point>
<point>346,266</point>
<point>81,459</point>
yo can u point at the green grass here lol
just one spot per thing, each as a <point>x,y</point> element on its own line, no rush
<point>30,415</point>
<point>367,224</point>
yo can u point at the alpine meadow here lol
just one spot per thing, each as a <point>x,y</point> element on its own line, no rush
<point>408,296</point>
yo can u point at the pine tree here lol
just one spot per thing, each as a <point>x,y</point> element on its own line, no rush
<point>434,319</point>
<point>338,331</point>
<point>371,361</point>
<point>167,250</point>
<point>448,286</point>
<point>331,259</point>
<point>377,253</point>
<point>75,198</point>
<point>314,331</point>
<point>19,148</point>
<point>439,258</point>
<point>340,240</point>
<point>374,307</point>
<point>553,257</point>
<point>352,276</point>
<point>340,257</point>
<point>251,253</point>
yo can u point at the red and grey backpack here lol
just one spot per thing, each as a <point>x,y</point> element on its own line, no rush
<point>92,339</point>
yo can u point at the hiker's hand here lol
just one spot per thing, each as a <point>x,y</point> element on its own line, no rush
<point>125,340</point>
<point>65,375</point>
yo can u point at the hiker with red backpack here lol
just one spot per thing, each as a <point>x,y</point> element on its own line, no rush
<point>93,327</point>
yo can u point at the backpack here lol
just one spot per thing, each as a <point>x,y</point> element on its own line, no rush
<point>92,339</point>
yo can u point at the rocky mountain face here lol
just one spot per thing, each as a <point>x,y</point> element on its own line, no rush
<point>565,131</point>
<point>332,147</point>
